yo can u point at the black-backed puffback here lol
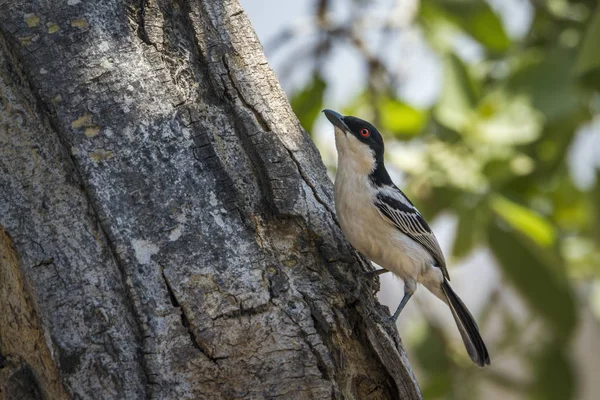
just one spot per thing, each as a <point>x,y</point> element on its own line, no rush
<point>381,222</point>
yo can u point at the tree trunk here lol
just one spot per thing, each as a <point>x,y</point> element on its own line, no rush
<point>167,228</point>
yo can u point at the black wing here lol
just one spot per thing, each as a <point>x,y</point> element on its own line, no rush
<point>404,216</point>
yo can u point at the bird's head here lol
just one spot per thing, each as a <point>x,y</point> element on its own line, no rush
<point>357,141</point>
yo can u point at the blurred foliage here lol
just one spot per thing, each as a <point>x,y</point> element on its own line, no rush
<point>308,102</point>
<point>555,378</point>
<point>476,18</point>
<point>538,275</point>
<point>492,150</point>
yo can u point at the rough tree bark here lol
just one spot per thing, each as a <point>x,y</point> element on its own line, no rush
<point>166,227</point>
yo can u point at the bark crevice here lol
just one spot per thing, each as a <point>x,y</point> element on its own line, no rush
<point>185,322</point>
<point>258,117</point>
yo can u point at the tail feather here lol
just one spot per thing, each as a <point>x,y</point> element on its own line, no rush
<point>467,327</point>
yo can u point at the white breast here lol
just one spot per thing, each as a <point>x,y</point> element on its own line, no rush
<point>368,231</point>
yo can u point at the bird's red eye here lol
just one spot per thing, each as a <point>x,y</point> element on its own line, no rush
<point>364,132</point>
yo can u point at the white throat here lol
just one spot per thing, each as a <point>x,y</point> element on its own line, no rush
<point>353,155</point>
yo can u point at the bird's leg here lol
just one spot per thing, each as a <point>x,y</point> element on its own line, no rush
<point>409,288</point>
<point>377,272</point>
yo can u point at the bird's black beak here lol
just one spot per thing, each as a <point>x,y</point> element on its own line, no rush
<point>336,119</point>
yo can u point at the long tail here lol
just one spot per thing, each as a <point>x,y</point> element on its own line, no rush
<point>467,327</point>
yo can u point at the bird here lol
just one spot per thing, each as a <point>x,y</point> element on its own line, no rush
<point>380,221</point>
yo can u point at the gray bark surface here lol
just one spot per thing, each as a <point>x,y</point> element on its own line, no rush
<point>167,228</point>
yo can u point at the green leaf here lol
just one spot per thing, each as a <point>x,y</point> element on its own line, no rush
<point>554,377</point>
<point>465,238</point>
<point>468,229</point>
<point>476,18</point>
<point>459,95</point>
<point>481,22</point>
<point>587,65</point>
<point>547,79</point>
<point>401,119</point>
<point>570,209</point>
<point>538,277</point>
<point>525,220</point>
<point>308,102</point>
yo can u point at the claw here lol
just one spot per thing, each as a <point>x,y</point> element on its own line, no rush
<point>377,272</point>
